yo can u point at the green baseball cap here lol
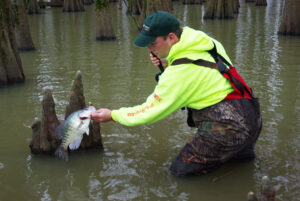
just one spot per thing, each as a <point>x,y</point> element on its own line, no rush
<point>159,23</point>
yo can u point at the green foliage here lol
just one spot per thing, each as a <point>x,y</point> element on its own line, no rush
<point>100,4</point>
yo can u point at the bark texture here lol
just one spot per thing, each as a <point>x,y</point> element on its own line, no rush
<point>261,3</point>
<point>290,22</point>
<point>33,7</point>
<point>267,191</point>
<point>104,29</point>
<point>73,6</point>
<point>11,69</point>
<point>23,35</point>
<point>219,9</point>
<point>44,139</point>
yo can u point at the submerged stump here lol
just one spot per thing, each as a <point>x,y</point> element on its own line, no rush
<point>44,139</point>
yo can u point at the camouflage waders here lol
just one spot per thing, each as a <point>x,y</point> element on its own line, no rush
<point>226,131</point>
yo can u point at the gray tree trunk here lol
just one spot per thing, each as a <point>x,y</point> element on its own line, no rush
<point>11,70</point>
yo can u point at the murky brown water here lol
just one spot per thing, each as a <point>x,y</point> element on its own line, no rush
<point>134,164</point>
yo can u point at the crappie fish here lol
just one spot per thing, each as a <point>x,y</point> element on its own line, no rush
<point>71,131</point>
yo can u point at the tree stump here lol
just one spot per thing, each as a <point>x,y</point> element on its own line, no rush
<point>44,139</point>
<point>267,192</point>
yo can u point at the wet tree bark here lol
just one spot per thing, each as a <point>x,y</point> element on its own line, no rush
<point>261,3</point>
<point>33,7</point>
<point>73,6</point>
<point>290,22</point>
<point>11,70</point>
<point>44,139</point>
<point>23,35</point>
<point>219,9</point>
<point>104,29</point>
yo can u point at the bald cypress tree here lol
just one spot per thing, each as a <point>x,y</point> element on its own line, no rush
<point>11,70</point>
<point>219,9</point>
<point>150,6</point>
<point>23,35</point>
<point>290,22</point>
<point>104,27</point>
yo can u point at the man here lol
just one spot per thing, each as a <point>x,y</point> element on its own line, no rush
<point>228,124</point>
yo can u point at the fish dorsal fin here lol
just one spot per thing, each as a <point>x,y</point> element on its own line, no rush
<point>76,144</point>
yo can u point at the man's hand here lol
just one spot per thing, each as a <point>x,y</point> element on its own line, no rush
<point>102,115</point>
<point>155,61</point>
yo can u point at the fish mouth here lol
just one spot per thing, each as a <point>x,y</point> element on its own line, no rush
<point>83,118</point>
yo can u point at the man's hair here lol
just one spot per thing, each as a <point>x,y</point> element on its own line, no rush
<point>178,33</point>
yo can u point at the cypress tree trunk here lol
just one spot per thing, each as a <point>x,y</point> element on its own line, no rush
<point>290,22</point>
<point>236,6</point>
<point>219,9</point>
<point>261,3</point>
<point>150,6</point>
<point>11,70</point>
<point>73,6</point>
<point>135,7</point>
<point>192,1</point>
<point>23,35</point>
<point>104,27</point>
<point>33,7</point>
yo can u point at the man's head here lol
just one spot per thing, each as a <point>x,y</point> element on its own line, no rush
<point>158,33</point>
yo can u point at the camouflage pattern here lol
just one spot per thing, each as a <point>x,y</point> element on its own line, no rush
<point>226,131</point>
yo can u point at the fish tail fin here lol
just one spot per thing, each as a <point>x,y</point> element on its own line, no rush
<point>61,152</point>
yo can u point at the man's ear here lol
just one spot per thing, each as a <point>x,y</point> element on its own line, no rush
<point>173,38</point>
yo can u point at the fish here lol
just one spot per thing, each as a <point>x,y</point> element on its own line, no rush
<point>71,131</point>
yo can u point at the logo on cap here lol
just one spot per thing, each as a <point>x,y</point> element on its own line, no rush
<point>146,28</point>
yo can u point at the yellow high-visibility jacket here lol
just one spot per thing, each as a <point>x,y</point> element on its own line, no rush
<point>181,85</point>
